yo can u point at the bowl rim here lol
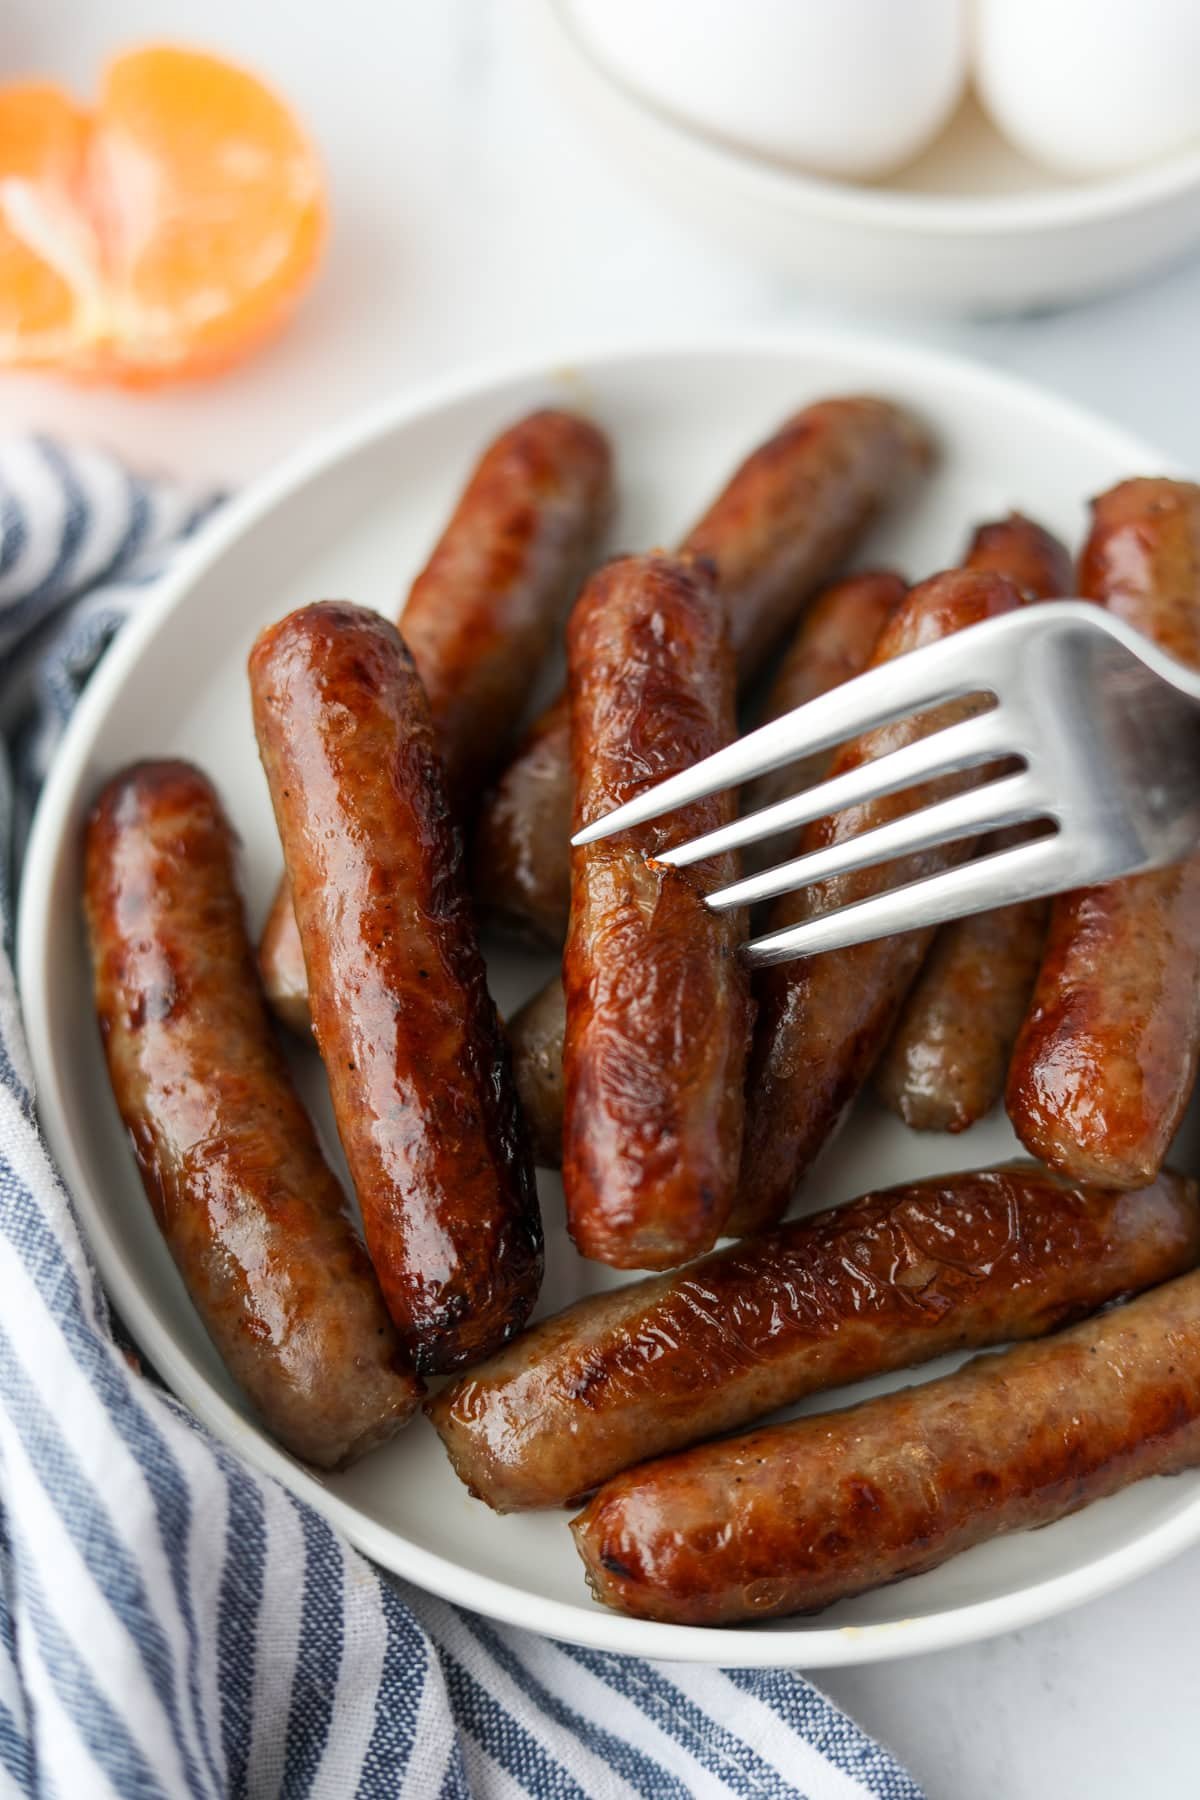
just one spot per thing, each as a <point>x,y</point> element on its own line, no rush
<point>886,210</point>
<point>598,1628</point>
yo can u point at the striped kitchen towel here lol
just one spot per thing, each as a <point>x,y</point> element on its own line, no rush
<point>172,1623</point>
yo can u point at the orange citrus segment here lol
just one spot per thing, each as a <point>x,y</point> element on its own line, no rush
<point>167,234</point>
<point>47,252</point>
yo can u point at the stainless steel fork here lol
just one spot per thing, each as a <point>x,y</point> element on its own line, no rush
<point>1105,724</point>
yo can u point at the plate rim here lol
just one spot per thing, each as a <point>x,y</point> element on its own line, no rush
<point>589,1625</point>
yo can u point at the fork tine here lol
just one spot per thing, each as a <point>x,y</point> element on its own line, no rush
<point>954,747</point>
<point>941,671</point>
<point>1047,865</point>
<point>988,808</point>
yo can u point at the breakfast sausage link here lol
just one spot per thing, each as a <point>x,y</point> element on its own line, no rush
<point>833,642</point>
<point>1106,1059</point>
<point>480,618</point>
<point>229,1159</point>
<point>793,1518</point>
<point>535,1036</point>
<point>823,1020</point>
<point>946,1063</point>
<point>790,514</point>
<point>657,1003</point>
<point>894,1279</point>
<point>418,1069</point>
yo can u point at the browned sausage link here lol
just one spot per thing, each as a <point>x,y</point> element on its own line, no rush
<point>230,1162</point>
<point>894,1279</point>
<point>1031,557</point>
<point>946,1063</point>
<point>833,642</point>
<point>796,508</point>
<point>521,860</point>
<point>789,515</point>
<point>535,1035</point>
<point>418,1069</point>
<point>1106,1059</point>
<point>657,997</point>
<point>793,1518</point>
<point>823,1020</point>
<point>480,618</point>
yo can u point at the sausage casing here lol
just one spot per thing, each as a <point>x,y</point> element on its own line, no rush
<point>230,1162</point>
<point>1106,1059</point>
<point>480,618</point>
<point>654,1105</point>
<point>948,1057</point>
<point>791,1518</point>
<point>418,1069</point>
<point>823,1020</point>
<point>949,1263</point>
<point>789,515</point>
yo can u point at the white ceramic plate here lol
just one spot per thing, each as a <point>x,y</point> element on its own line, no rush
<point>356,516</point>
<point>972,226</point>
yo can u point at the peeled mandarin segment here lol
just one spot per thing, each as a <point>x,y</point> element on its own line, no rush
<point>48,264</point>
<point>208,202</point>
<point>165,236</point>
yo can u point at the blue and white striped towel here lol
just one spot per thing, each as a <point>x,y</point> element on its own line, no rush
<point>170,1622</point>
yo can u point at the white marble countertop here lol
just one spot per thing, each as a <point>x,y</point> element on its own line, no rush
<point>473,218</point>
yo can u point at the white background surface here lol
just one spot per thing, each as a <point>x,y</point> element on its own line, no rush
<point>473,219</point>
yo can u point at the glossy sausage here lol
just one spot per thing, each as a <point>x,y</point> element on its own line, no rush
<point>894,1279</point>
<point>1106,1059</point>
<point>946,1063</point>
<point>229,1159</point>
<point>792,1518</point>
<point>834,641</point>
<point>790,514</point>
<point>480,618</point>
<point>823,1020</point>
<point>657,1001</point>
<point>418,1069</point>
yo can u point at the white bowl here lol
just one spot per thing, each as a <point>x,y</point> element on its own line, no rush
<point>355,515</point>
<point>972,226</point>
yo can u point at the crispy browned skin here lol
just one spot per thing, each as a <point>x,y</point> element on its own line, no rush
<point>894,1279</point>
<point>535,1036</point>
<point>417,1065</point>
<point>823,1020</point>
<point>230,1162</point>
<point>790,514</point>
<point>791,1518</point>
<point>833,642</point>
<point>656,996</point>
<point>480,618</point>
<point>1106,1059</point>
<point>946,1063</point>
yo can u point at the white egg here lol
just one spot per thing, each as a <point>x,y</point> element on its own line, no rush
<point>1091,86</point>
<point>841,87</point>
